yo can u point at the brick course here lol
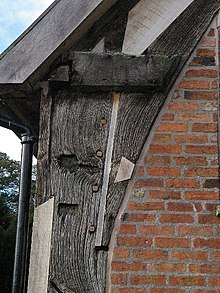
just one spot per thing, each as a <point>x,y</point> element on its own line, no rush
<point>168,239</point>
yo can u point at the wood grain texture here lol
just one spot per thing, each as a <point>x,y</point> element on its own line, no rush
<point>75,153</point>
<point>92,72</point>
<point>77,135</point>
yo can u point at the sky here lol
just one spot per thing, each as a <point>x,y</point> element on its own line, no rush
<point>15,17</point>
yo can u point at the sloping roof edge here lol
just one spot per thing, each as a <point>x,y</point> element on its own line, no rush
<point>61,25</point>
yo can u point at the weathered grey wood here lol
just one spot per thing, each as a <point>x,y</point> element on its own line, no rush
<point>77,151</point>
<point>77,143</point>
<point>147,20</point>
<point>43,157</point>
<point>66,21</point>
<point>119,72</point>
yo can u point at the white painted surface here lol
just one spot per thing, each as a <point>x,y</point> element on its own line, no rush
<point>147,20</point>
<point>107,169</point>
<point>41,247</point>
<point>125,170</point>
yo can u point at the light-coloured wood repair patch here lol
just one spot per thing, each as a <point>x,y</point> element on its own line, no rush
<point>147,20</point>
<point>125,170</point>
<point>41,247</point>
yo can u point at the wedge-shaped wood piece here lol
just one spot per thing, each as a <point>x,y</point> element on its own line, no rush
<point>63,24</point>
<point>147,20</point>
<point>94,72</point>
<point>125,170</point>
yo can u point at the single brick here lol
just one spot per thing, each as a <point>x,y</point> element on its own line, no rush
<point>187,281</point>
<point>172,127</point>
<point>167,267</point>
<point>126,266</point>
<point>208,219</point>
<point>146,206</point>
<point>214,281</point>
<point>204,269</point>
<point>134,241</point>
<point>163,171</point>
<point>200,95</point>
<point>191,161</point>
<point>210,73</point>
<point>137,217</point>
<point>202,195</point>
<point>215,256</point>
<point>204,127</point>
<point>118,279</point>
<point>194,149</point>
<point>211,206</point>
<point>207,243</point>
<point>164,194</point>
<point>193,117</point>
<point>164,290</point>
<point>172,242</point>
<point>203,61</point>
<point>151,182</point>
<point>162,138</point>
<point>194,84</point>
<point>140,171</point>
<point>128,290</point>
<point>204,291</point>
<point>191,138</point>
<point>211,183</point>
<point>157,230</point>
<point>148,280</point>
<point>214,84</point>
<point>202,172</point>
<point>195,231</point>
<point>165,149</point>
<point>157,160</point>
<point>127,229</point>
<point>183,106</point>
<point>176,218</point>
<point>180,207</point>
<point>211,32</point>
<point>206,53</point>
<point>189,255</point>
<point>168,117</point>
<point>150,254</point>
<point>182,183</point>
<point>121,253</point>
<point>208,42</point>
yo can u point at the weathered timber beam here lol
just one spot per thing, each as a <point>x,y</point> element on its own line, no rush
<point>94,72</point>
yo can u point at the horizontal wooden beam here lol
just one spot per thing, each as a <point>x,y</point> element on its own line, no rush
<point>62,25</point>
<point>93,72</point>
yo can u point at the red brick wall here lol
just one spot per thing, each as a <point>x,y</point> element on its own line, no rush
<point>168,238</point>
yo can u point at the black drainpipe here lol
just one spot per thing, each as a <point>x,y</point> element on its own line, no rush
<point>23,204</point>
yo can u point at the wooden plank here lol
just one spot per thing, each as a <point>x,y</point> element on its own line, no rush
<point>107,169</point>
<point>67,21</point>
<point>41,248</point>
<point>147,20</point>
<point>79,135</point>
<point>119,72</point>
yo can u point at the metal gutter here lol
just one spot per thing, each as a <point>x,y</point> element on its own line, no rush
<point>23,205</point>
